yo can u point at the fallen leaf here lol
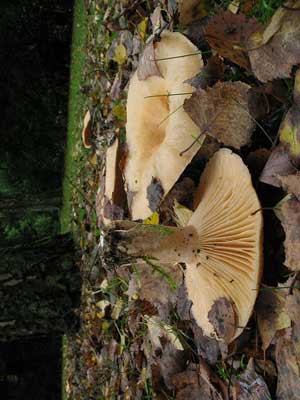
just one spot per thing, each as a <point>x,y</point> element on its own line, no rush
<point>228,34</point>
<point>152,220</point>
<point>257,160</point>
<point>223,318</point>
<point>279,164</point>
<point>147,64</point>
<point>271,314</point>
<point>290,211</point>
<point>154,287</point>
<point>119,111</point>
<point>289,129</point>
<point>191,10</point>
<point>182,214</point>
<point>120,56</point>
<point>195,383</point>
<point>291,184</point>
<point>212,72</point>
<point>155,194</point>
<point>142,28</point>
<point>250,385</point>
<point>222,112</point>
<point>276,48</point>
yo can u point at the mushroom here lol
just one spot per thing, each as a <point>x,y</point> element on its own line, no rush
<point>86,131</point>
<point>111,196</point>
<point>158,130</point>
<point>221,245</point>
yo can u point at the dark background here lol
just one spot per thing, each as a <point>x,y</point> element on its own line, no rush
<point>35,41</point>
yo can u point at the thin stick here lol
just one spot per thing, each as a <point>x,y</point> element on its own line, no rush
<point>169,115</point>
<point>173,57</point>
<point>256,122</point>
<point>167,95</point>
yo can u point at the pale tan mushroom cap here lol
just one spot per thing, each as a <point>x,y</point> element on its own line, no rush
<point>229,263</point>
<point>155,136</point>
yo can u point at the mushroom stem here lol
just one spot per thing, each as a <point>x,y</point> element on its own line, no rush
<point>167,244</point>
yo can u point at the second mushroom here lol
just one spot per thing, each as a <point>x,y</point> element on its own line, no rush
<point>221,245</point>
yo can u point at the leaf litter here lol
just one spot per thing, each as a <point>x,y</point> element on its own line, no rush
<point>137,338</point>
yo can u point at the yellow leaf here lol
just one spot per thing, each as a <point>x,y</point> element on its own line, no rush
<point>182,214</point>
<point>152,220</point>
<point>119,111</point>
<point>93,159</point>
<point>120,54</point>
<point>142,28</point>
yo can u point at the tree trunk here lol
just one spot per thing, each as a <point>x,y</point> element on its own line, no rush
<point>39,288</point>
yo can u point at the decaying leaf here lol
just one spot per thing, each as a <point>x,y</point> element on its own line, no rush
<point>271,314</point>
<point>222,316</point>
<point>250,385</point>
<point>275,49</point>
<point>157,287</point>
<point>222,112</point>
<point>147,64</point>
<point>196,383</point>
<point>212,72</point>
<point>228,33</point>
<point>290,211</point>
<point>191,10</point>
<point>291,184</point>
<point>120,56</point>
<point>155,193</point>
<point>289,130</point>
<point>278,165</point>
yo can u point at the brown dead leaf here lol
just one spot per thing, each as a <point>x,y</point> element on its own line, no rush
<point>151,286</point>
<point>271,314</point>
<point>287,359</point>
<point>211,73</point>
<point>291,184</point>
<point>191,10</point>
<point>147,66</point>
<point>276,48</point>
<point>222,112</point>
<point>228,33</point>
<point>155,193</point>
<point>223,318</point>
<point>290,211</point>
<point>279,164</point>
<point>250,385</point>
<point>195,383</point>
<point>257,160</point>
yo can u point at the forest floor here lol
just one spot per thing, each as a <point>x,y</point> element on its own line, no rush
<point>134,343</point>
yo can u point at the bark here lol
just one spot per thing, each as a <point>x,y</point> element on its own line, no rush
<point>39,288</point>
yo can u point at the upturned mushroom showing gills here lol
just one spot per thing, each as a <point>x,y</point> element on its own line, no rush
<point>158,130</point>
<point>221,245</point>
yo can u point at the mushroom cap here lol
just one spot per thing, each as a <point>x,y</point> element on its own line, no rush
<point>158,129</point>
<point>229,227</point>
<point>86,131</point>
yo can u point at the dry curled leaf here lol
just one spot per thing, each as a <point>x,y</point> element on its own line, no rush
<point>290,211</point>
<point>276,48</point>
<point>228,33</point>
<point>191,10</point>
<point>87,131</point>
<point>271,314</point>
<point>222,112</point>
<point>147,65</point>
<point>222,317</point>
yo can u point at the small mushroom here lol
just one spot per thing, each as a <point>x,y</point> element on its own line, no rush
<point>86,131</point>
<point>158,130</point>
<point>221,245</point>
<point>111,198</point>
